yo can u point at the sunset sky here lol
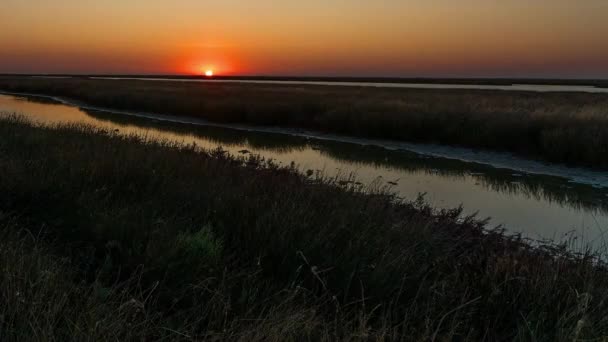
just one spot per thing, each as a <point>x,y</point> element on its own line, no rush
<point>407,38</point>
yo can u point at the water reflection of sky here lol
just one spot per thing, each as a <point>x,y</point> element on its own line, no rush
<point>536,205</point>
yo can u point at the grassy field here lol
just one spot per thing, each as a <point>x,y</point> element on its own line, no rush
<point>569,128</point>
<point>105,237</point>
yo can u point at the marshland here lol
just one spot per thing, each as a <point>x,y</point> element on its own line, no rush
<point>123,237</point>
<point>569,128</point>
<point>538,200</point>
<point>125,228</point>
<point>298,171</point>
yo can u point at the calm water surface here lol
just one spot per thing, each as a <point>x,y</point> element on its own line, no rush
<point>537,206</point>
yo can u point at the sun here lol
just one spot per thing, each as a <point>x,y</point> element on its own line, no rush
<point>209,73</point>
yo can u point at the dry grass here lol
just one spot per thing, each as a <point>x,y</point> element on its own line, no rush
<point>140,240</point>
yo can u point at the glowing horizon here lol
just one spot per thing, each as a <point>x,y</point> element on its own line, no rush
<point>416,38</point>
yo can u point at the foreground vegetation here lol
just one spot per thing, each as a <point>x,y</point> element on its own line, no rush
<point>569,128</point>
<point>104,237</point>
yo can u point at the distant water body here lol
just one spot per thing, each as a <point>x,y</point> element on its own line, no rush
<point>512,87</point>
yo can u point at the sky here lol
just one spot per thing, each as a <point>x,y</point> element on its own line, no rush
<point>387,38</point>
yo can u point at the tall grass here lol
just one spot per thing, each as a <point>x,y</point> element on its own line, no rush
<point>43,300</point>
<point>568,128</point>
<point>150,240</point>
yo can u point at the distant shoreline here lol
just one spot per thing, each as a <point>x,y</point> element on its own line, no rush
<point>600,83</point>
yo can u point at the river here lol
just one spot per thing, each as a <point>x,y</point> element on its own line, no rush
<point>523,200</point>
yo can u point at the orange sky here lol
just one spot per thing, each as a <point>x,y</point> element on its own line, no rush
<point>464,38</point>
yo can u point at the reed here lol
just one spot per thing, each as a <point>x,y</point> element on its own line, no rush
<point>108,237</point>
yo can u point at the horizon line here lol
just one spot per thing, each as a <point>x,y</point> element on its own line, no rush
<point>349,77</point>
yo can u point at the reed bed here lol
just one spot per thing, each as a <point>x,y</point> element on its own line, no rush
<point>107,237</point>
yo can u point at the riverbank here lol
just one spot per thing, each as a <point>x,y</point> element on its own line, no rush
<point>570,128</point>
<point>137,239</point>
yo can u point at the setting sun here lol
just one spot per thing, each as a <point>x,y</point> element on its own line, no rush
<point>209,73</point>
